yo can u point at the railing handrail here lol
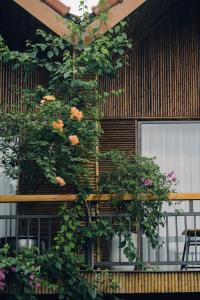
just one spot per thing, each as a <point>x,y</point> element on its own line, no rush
<point>90,198</point>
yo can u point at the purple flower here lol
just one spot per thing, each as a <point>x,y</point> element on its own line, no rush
<point>30,283</point>
<point>13,269</point>
<point>147,182</point>
<point>31,277</point>
<point>2,285</point>
<point>2,278</point>
<point>2,274</point>
<point>171,177</point>
<point>37,285</point>
<point>170,174</point>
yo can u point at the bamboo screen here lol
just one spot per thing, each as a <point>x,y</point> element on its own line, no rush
<point>162,78</point>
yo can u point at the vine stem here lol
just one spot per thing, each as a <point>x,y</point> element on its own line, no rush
<point>89,219</point>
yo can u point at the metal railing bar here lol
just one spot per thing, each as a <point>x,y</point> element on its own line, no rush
<point>170,214</point>
<point>29,216</point>
<point>6,229</point>
<point>167,237</point>
<point>161,263</point>
<point>28,230</point>
<point>38,235</point>
<point>49,233</point>
<point>158,247</point>
<point>176,236</point>
<point>17,235</point>
<point>148,251</point>
<point>195,235</point>
<point>120,249</point>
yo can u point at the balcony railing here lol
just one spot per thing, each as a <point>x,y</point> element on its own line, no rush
<point>179,239</point>
<point>178,246</point>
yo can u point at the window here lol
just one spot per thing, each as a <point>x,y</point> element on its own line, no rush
<point>176,146</point>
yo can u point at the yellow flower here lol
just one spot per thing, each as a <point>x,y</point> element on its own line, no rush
<point>60,181</point>
<point>74,139</point>
<point>58,125</point>
<point>76,114</point>
<point>49,98</point>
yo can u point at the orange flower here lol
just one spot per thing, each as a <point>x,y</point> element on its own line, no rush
<point>58,125</point>
<point>49,98</point>
<point>74,139</point>
<point>60,181</point>
<point>76,114</point>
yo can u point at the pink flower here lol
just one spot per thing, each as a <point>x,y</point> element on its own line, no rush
<point>147,182</point>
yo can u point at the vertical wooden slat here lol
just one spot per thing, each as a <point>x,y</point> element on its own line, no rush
<point>162,78</point>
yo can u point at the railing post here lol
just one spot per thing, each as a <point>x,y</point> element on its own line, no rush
<point>89,253</point>
<point>140,244</point>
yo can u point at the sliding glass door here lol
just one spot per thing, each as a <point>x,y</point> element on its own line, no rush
<point>176,147</point>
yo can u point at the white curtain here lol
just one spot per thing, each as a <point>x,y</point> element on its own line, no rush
<point>176,147</point>
<point>7,187</point>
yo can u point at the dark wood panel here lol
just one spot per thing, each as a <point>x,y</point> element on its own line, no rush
<point>118,134</point>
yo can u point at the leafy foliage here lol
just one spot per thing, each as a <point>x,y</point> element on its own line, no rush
<point>54,132</point>
<point>142,178</point>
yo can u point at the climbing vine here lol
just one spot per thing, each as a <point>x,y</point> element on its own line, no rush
<point>54,133</point>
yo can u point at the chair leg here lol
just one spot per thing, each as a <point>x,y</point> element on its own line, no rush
<point>183,257</point>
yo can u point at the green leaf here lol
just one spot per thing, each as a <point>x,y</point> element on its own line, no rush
<point>50,54</point>
<point>122,244</point>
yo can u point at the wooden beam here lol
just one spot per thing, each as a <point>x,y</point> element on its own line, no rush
<point>92,197</point>
<point>115,15</point>
<point>45,15</point>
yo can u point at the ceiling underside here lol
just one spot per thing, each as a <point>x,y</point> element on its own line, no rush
<point>16,25</point>
<point>149,15</point>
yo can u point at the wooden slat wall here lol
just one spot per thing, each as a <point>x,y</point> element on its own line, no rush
<point>117,134</point>
<point>12,83</point>
<point>162,78</point>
